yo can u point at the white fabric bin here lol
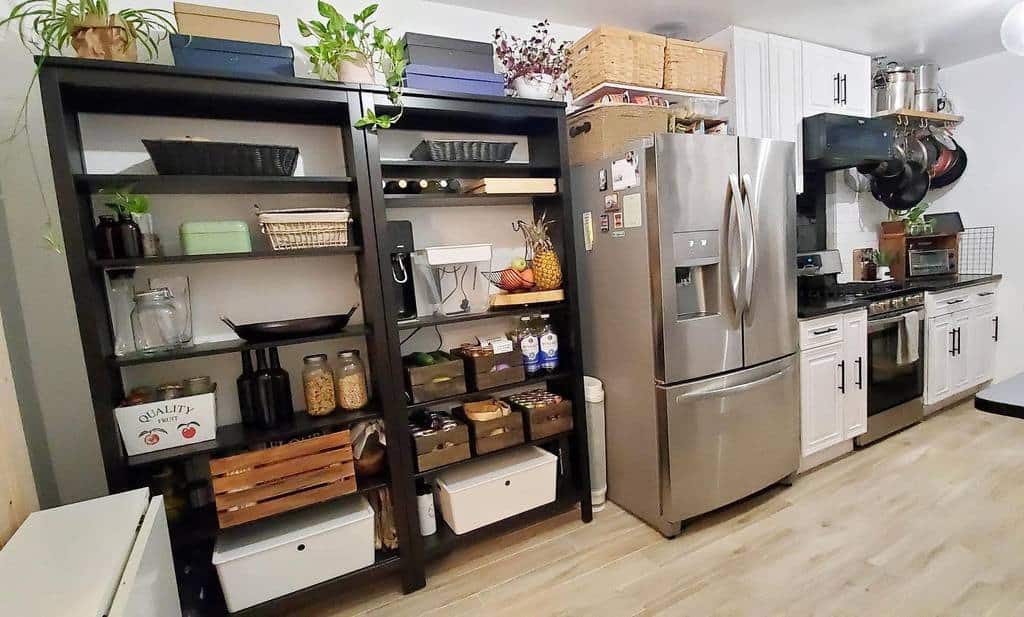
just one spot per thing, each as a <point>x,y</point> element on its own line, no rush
<point>275,557</point>
<point>482,492</point>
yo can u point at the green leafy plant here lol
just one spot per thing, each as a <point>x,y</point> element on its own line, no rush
<point>360,41</point>
<point>124,202</point>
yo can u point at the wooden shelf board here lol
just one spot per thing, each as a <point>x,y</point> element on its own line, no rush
<point>458,398</point>
<point>139,262</point>
<point>535,442</point>
<point>213,185</point>
<point>673,96</point>
<point>437,200</point>
<point>430,321</point>
<point>238,436</point>
<point>926,115</point>
<point>230,346</point>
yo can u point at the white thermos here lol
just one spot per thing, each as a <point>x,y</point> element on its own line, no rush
<point>425,505</point>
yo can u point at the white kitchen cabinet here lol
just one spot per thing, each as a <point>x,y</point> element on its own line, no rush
<point>821,401</point>
<point>835,81</point>
<point>833,380</point>
<point>747,80</point>
<point>960,347</point>
<point>785,98</point>
<point>984,334</point>
<point>855,354</point>
<point>938,359</point>
<point>960,369</point>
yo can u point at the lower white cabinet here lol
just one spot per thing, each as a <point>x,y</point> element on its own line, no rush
<point>961,340</point>
<point>833,381</point>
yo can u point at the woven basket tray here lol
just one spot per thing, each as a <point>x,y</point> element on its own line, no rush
<point>177,157</point>
<point>692,68</point>
<point>305,228</point>
<point>459,150</point>
<point>619,56</point>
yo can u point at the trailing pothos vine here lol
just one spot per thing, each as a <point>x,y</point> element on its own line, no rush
<point>361,42</point>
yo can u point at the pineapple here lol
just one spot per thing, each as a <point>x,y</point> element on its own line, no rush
<point>547,270</point>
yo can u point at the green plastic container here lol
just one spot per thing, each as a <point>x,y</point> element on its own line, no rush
<point>215,237</point>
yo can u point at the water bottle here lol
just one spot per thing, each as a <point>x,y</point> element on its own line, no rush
<point>529,345</point>
<point>548,347</point>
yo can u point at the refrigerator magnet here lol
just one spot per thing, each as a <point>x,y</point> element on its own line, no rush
<point>611,202</point>
<point>619,234</point>
<point>617,222</point>
<point>631,212</point>
<point>588,231</point>
<point>626,172</point>
<point>606,223</point>
<point>602,180</point>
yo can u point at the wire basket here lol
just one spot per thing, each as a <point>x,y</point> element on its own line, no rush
<point>305,228</point>
<point>977,250</point>
<point>456,150</point>
<point>508,280</point>
<point>178,157</point>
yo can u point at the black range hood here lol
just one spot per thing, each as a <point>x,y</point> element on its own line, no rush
<point>835,141</point>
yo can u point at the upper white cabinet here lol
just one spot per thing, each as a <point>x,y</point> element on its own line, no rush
<point>835,81</point>
<point>785,97</point>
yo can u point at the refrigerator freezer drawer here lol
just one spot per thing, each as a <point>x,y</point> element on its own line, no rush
<point>728,437</point>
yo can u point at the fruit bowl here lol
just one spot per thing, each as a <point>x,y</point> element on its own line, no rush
<point>511,280</point>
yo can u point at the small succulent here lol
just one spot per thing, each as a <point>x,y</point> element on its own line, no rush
<point>539,53</point>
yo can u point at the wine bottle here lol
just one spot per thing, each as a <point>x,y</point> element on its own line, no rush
<point>246,383</point>
<point>265,416</point>
<point>454,185</point>
<point>281,384</point>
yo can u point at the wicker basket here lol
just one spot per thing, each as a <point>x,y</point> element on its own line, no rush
<point>692,68</point>
<point>305,228</point>
<point>462,150</point>
<point>618,56</point>
<point>176,157</point>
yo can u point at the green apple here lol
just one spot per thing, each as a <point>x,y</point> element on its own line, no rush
<point>518,264</point>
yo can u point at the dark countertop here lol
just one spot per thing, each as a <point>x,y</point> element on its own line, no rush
<point>820,308</point>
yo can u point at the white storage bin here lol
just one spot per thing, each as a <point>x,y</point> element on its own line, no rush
<point>482,492</point>
<point>167,424</point>
<point>275,557</point>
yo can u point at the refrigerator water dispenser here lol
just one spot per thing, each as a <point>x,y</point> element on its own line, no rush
<point>696,271</point>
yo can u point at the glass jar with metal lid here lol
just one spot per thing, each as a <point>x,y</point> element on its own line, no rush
<point>156,322</point>
<point>351,381</point>
<point>318,385</point>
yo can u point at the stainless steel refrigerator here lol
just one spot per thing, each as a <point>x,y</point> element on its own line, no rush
<point>689,318</point>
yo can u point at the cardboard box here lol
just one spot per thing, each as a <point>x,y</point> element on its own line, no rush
<point>602,130</point>
<point>231,24</point>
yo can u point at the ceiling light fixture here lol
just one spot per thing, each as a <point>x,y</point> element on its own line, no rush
<point>1012,30</point>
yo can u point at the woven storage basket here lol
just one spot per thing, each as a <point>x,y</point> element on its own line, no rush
<point>618,56</point>
<point>305,228</point>
<point>176,157</point>
<point>692,68</point>
<point>461,150</point>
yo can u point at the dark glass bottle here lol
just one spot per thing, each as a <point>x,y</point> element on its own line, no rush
<point>265,415</point>
<point>128,240</point>
<point>454,185</point>
<point>391,187</point>
<point>106,232</point>
<point>281,384</point>
<point>247,390</point>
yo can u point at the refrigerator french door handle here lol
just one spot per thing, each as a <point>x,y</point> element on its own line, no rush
<point>735,214</point>
<point>750,261</point>
<point>682,398</point>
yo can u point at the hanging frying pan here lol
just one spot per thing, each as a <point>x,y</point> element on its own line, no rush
<point>913,189</point>
<point>953,173</point>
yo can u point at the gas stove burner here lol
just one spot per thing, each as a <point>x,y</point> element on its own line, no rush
<point>867,289</point>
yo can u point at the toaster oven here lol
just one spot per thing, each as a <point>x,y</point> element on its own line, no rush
<point>931,262</point>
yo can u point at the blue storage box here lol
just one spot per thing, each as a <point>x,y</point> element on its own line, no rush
<point>445,79</point>
<point>200,52</point>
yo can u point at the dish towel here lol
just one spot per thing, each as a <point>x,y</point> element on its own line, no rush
<point>907,351</point>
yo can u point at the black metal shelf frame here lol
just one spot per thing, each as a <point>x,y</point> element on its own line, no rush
<point>70,87</point>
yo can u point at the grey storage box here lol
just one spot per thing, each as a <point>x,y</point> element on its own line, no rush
<point>439,51</point>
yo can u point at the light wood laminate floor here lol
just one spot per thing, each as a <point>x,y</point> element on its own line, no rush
<point>927,522</point>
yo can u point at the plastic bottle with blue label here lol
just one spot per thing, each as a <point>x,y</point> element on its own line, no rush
<point>529,344</point>
<point>548,343</point>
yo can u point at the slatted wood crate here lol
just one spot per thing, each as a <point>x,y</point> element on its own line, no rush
<point>255,485</point>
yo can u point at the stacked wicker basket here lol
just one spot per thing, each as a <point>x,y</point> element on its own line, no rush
<point>615,55</point>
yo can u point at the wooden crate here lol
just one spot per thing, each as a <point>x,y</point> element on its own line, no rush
<point>692,68</point>
<point>619,56</point>
<point>255,485</point>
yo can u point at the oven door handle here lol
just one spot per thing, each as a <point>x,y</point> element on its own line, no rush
<point>876,325</point>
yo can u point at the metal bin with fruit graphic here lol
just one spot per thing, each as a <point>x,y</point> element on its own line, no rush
<point>160,425</point>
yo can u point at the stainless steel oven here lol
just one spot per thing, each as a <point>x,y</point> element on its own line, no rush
<point>895,377</point>
<point>931,262</point>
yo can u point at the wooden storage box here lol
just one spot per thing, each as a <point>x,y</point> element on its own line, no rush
<point>442,448</point>
<point>276,557</point>
<point>692,68</point>
<point>231,24</point>
<point>486,491</point>
<point>483,372</point>
<point>160,425</point>
<point>616,55</point>
<point>498,434</point>
<point>602,131</point>
<point>545,421</point>
<point>441,380</point>
<point>255,485</point>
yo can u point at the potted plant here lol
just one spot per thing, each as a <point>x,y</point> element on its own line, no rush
<point>535,67</point>
<point>359,51</point>
<point>916,223</point>
<point>89,27</point>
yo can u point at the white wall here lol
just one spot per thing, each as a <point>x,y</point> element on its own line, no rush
<point>853,220</point>
<point>42,276</point>
<point>988,92</point>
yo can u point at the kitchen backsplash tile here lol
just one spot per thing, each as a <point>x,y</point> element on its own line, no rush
<point>853,220</point>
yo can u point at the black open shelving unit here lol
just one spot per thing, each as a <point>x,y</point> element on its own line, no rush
<point>70,87</point>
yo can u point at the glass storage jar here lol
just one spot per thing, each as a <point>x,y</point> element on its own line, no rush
<point>156,322</point>
<point>351,381</point>
<point>318,385</point>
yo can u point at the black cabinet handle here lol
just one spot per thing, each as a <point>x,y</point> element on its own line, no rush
<point>836,79</point>
<point>825,331</point>
<point>860,372</point>
<point>986,294</point>
<point>995,336</point>
<point>958,341</point>
<point>954,301</point>
<point>844,88</point>
<point>952,349</point>
<point>842,376</point>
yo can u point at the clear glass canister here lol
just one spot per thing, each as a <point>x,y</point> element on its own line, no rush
<point>156,323</point>
<point>318,385</point>
<point>351,381</point>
